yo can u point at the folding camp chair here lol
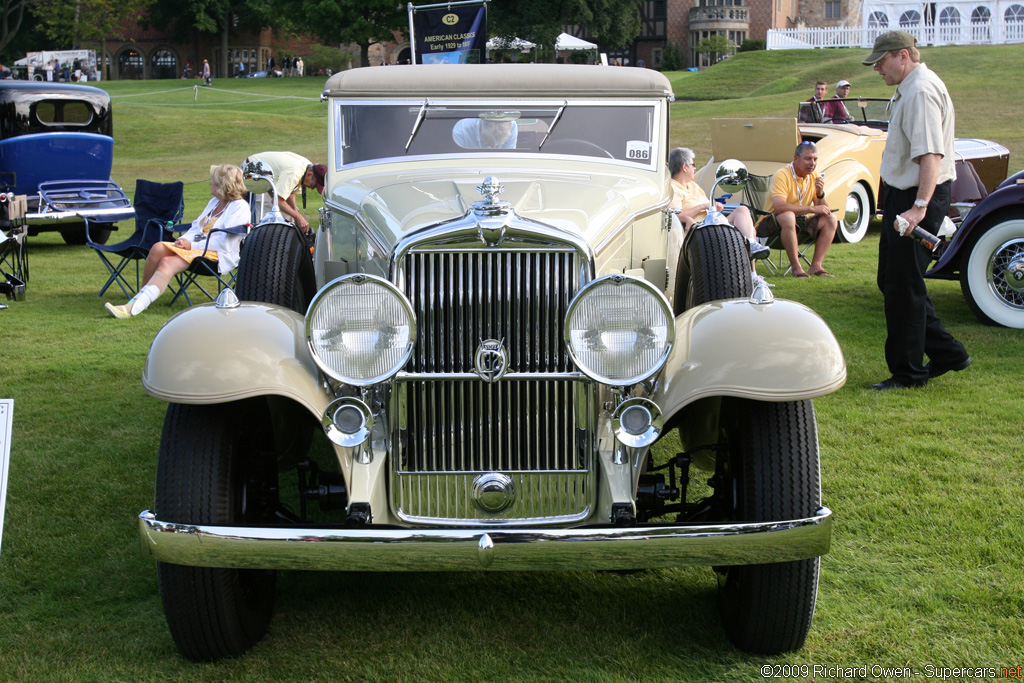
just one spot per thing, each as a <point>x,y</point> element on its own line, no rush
<point>13,263</point>
<point>757,197</point>
<point>204,267</point>
<point>157,206</point>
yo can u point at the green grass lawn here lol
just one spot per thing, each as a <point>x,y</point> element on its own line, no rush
<point>925,565</point>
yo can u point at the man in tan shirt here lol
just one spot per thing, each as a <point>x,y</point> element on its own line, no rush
<point>917,167</point>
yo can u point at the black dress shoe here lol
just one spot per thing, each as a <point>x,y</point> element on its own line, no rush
<point>939,370</point>
<point>893,383</point>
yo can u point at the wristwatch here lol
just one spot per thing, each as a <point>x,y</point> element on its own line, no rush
<point>920,203</point>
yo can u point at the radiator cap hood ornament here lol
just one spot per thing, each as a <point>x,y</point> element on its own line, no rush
<point>492,214</point>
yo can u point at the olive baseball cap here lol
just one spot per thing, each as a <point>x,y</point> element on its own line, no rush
<point>887,42</point>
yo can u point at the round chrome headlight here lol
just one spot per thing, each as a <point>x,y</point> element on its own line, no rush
<point>619,330</point>
<point>360,329</point>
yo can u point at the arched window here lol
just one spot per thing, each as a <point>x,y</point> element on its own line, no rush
<point>130,65</point>
<point>949,25</point>
<point>878,20</point>
<point>1013,18</point>
<point>981,22</point>
<point>164,65</point>
<point>910,19</point>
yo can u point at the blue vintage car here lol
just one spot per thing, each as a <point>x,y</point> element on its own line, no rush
<point>56,149</point>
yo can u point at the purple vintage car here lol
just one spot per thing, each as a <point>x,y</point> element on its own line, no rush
<point>987,254</point>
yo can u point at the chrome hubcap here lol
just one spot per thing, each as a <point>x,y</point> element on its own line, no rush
<point>853,212</point>
<point>1006,273</point>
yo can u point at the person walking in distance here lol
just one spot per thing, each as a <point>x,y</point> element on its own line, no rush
<point>917,169</point>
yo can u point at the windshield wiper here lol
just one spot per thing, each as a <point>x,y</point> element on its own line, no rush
<point>416,125</point>
<point>554,122</point>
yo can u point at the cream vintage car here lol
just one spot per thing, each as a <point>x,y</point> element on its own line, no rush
<point>849,155</point>
<point>499,321</point>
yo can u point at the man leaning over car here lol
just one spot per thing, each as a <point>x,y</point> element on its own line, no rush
<point>292,173</point>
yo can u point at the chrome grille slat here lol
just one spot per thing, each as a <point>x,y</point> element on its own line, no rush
<point>527,427</point>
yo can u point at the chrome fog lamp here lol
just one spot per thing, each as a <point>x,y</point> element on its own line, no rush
<point>360,329</point>
<point>637,422</point>
<point>347,422</point>
<point>619,330</point>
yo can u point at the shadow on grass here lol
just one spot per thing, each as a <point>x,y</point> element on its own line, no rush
<point>496,624</point>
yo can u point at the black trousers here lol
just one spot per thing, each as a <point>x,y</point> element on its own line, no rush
<point>913,328</point>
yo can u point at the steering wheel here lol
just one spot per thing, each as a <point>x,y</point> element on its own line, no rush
<point>575,146</point>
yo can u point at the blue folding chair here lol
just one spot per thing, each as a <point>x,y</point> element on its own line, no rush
<point>204,267</point>
<point>158,206</point>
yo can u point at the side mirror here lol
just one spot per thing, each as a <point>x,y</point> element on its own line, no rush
<point>257,176</point>
<point>732,174</point>
<point>259,179</point>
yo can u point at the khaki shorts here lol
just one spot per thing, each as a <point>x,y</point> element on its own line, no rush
<point>769,227</point>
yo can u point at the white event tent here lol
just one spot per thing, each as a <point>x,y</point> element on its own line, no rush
<point>568,42</point>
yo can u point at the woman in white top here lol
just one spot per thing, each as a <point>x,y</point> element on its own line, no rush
<point>226,209</point>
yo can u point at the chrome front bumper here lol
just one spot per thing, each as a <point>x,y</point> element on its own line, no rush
<point>52,218</point>
<point>370,549</point>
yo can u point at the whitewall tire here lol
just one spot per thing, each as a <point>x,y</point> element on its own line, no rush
<point>856,217</point>
<point>992,273</point>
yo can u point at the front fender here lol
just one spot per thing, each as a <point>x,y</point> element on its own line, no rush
<point>840,179</point>
<point>211,355</point>
<point>780,351</point>
<point>1008,194</point>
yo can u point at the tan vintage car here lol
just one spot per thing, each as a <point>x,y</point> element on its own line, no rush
<point>499,321</point>
<point>849,155</point>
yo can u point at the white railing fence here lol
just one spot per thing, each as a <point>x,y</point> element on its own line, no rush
<point>981,33</point>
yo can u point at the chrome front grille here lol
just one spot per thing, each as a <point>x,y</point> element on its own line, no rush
<point>535,425</point>
<point>462,298</point>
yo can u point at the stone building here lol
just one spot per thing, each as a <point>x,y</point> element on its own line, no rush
<point>156,53</point>
<point>686,22</point>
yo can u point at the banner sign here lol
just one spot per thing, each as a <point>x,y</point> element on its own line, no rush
<point>449,34</point>
<point>6,409</point>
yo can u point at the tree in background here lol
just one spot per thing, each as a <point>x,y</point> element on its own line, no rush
<point>213,17</point>
<point>673,57</point>
<point>324,57</point>
<point>69,22</point>
<point>614,23</point>
<point>363,22</point>
<point>10,23</point>
<point>715,47</point>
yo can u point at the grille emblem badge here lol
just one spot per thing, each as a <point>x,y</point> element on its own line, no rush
<point>491,360</point>
<point>493,492</point>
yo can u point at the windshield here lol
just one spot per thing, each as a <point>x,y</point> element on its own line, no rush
<point>872,112</point>
<point>624,131</point>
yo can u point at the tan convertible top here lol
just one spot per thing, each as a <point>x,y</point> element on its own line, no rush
<point>498,80</point>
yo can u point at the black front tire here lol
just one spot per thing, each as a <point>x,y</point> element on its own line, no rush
<point>275,267</point>
<point>98,232</point>
<point>214,469</point>
<point>715,264</point>
<point>774,472</point>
